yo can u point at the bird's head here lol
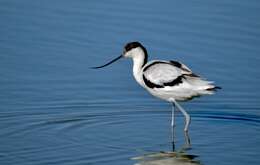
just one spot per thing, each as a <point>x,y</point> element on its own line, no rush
<point>131,50</point>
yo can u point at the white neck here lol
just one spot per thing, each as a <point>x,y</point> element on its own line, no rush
<point>138,62</point>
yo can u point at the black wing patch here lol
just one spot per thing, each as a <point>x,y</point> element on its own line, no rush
<point>176,63</point>
<point>174,82</point>
<point>179,65</point>
<point>150,84</point>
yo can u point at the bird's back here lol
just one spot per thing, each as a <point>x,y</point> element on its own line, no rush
<point>173,80</point>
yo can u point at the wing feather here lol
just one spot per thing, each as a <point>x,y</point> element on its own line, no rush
<point>159,74</point>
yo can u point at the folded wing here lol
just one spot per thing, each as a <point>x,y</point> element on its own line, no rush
<point>159,74</point>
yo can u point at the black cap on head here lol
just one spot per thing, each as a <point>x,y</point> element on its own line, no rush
<point>135,44</point>
<point>132,45</point>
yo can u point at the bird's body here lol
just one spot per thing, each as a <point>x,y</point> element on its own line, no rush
<point>171,81</point>
<point>168,80</point>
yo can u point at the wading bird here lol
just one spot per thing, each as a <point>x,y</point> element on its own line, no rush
<point>171,81</point>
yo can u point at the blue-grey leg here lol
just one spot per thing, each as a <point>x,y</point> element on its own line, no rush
<point>186,115</point>
<point>173,115</point>
<point>187,140</point>
<point>173,125</point>
<point>187,144</point>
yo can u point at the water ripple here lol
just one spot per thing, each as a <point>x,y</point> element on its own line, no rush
<point>54,110</point>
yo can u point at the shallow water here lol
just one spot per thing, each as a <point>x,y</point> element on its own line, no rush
<point>55,110</point>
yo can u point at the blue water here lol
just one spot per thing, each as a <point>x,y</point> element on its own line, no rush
<point>55,110</point>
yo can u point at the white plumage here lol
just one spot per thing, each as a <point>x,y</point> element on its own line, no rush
<point>171,81</point>
<point>186,85</point>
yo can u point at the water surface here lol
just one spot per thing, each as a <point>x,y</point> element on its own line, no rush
<point>55,110</point>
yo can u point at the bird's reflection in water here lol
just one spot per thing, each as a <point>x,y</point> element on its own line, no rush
<point>174,157</point>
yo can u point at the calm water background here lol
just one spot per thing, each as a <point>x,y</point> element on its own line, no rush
<point>54,110</point>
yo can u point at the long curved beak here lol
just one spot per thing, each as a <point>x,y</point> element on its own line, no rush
<point>114,60</point>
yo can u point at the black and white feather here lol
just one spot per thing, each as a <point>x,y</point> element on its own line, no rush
<point>171,79</point>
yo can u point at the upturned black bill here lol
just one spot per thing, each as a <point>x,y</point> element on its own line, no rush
<point>114,60</point>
